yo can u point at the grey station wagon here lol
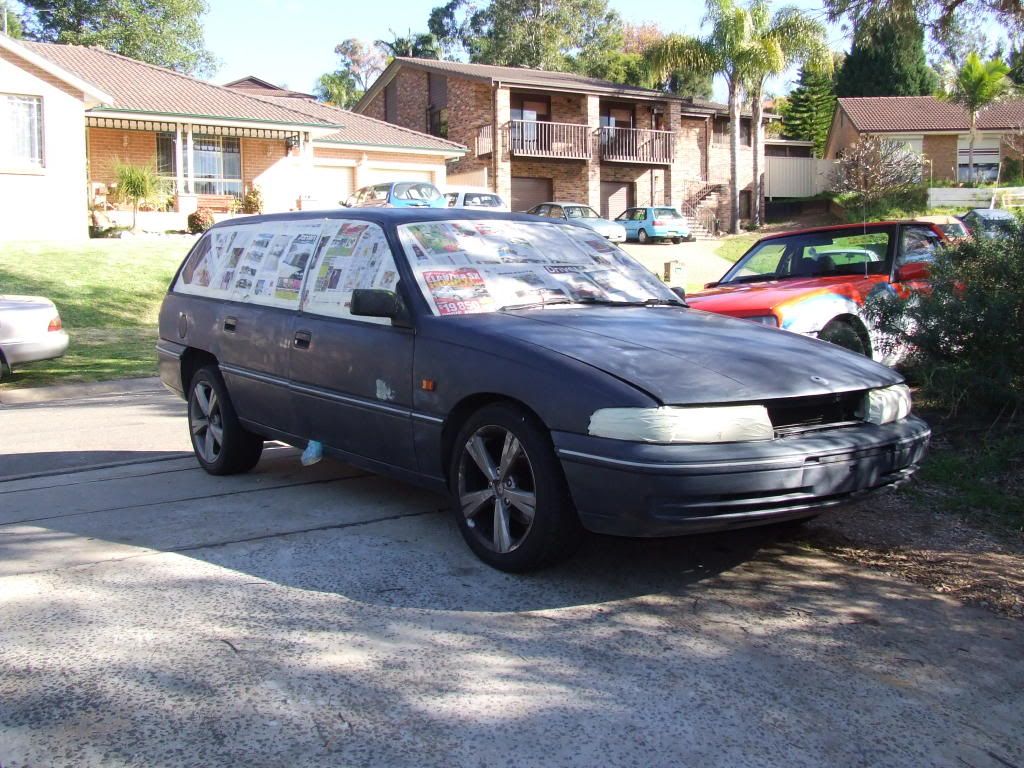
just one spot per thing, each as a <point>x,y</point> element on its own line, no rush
<point>530,368</point>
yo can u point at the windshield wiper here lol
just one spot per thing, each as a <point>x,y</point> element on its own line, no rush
<point>624,303</point>
<point>535,304</point>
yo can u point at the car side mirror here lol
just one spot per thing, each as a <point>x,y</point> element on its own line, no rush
<point>710,285</point>
<point>376,302</point>
<point>914,270</point>
<point>679,291</point>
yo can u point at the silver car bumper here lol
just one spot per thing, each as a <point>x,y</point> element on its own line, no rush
<point>53,344</point>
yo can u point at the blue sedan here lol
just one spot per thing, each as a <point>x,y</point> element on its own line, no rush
<point>647,225</point>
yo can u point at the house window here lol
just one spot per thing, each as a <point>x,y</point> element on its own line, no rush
<point>721,134</point>
<point>166,159</point>
<point>391,102</point>
<point>21,131</point>
<point>218,162</point>
<point>437,109</point>
<point>534,109</point>
<point>437,122</point>
<point>616,116</point>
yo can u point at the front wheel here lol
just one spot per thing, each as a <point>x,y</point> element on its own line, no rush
<point>642,237</point>
<point>222,445</point>
<point>843,334</point>
<point>509,495</point>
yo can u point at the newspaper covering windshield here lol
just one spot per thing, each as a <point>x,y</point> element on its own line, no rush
<point>464,267</point>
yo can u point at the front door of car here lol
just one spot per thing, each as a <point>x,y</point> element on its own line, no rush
<point>626,220</point>
<point>351,377</point>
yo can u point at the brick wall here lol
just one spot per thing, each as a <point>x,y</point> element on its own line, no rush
<point>376,106</point>
<point>569,108</point>
<point>470,106</point>
<point>648,183</point>
<point>259,156</point>
<point>941,150</point>
<point>841,135</point>
<point>108,147</point>
<point>570,179</point>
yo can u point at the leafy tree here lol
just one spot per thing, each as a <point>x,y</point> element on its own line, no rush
<point>168,33</point>
<point>776,43</point>
<point>940,16</point>
<point>1015,60</point>
<point>10,24</point>
<point>807,115</point>
<point>887,61</point>
<point>141,183</point>
<point>975,86</point>
<point>359,66</point>
<point>423,45</point>
<point>542,34</point>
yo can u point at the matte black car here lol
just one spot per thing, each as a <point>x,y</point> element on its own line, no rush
<point>545,379</point>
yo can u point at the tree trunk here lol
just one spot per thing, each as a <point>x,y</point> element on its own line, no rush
<point>970,149</point>
<point>757,139</point>
<point>135,211</point>
<point>734,154</point>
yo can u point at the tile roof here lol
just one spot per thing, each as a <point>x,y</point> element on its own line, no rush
<point>913,114</point>
<point>140,87</point>
<point>360,129</point>
<point>536,77</point>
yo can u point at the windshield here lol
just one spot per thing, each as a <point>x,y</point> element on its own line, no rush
<point>484,265</point>
<point>581,212</point>
<point>815,254</point>
<point>667,213</point>
<point>416,191</point>
<point>953,229</point>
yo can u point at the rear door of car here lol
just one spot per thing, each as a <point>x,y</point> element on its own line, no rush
<point>351,376</point>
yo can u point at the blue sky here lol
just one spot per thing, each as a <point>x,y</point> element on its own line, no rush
<point>291,42</point>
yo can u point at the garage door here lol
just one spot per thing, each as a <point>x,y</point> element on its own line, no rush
<point>528,192</point>
<point>383,175</point>
<point>616,196</point>
<point>331,185</point>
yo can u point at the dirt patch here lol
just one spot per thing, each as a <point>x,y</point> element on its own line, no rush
<point>908,534</point>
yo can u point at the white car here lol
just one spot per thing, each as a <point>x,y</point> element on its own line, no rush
<point>582,214</point>
<point>30,330</point>
<point>475,197</point>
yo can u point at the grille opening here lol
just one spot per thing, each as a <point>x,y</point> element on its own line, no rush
<point>805,414</point>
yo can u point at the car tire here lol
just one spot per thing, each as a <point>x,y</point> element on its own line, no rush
<point>677,240</point>
<point>509,495</point>
<point>221,444</point>
<point>843,334</point>
<point>642,238</point>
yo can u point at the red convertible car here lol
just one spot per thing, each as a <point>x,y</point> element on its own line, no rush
<point>816,281</point>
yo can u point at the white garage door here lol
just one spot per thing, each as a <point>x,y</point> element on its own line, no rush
<point>382,175</point>
<point>331,185</point>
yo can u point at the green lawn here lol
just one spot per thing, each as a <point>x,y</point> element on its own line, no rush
<point>108,293</point>
<point>731,248</point>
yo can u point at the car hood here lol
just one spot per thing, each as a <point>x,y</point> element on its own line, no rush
<point>598,224</point>
<point>749,299</point>
<point>681,356</point>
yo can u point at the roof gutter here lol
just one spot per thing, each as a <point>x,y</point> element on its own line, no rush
<point>448,154</point>
<point>314,129</point>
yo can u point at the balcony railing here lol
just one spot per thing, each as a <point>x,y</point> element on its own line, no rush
<point>484,140</point>
<point>636,145</point>
<point>570,141</point>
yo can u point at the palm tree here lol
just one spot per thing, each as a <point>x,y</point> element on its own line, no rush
<point>975,86</point>
<point>724,51</point>
<point>776,43</point>
<point>417,46</point>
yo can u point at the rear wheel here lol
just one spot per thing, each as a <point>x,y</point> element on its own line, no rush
<point>222,445</point>
<point>642,237</point>
<point>509,495</point>
<point>843,334</point>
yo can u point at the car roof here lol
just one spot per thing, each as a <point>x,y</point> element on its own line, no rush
<point>563,202</point>
<point>841,227</point>
<point>992,213</point>
<point>381,216</point>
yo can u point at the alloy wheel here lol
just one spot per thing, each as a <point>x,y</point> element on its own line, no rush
<point>206,421</point>
<point>496,488</point>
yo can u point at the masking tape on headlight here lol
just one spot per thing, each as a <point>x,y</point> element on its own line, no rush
<point>882,406</point>
<point>725,424</point>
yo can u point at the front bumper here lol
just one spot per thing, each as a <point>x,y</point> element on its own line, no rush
<point>638,489</point>
<point>53,344</point>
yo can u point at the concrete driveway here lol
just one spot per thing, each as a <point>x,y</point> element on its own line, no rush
<point>151,615</point>
<point>700,263</point>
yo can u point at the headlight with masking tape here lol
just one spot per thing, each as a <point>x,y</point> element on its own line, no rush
<point>885,405</point>
<point>712,424</point>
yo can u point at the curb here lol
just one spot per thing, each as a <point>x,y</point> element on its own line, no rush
<point>32,395</point>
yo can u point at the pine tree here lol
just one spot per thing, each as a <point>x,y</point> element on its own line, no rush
<point>889,61</point>
<point>809,108</point>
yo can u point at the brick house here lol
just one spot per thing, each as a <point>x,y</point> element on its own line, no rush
<point>211,143</point>
<point>938,130</point>
<point>534,135</point>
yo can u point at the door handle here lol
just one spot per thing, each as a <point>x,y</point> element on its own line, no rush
<point>230,323</point>
<point>302,339</point>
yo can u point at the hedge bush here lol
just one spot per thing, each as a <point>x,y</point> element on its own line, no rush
<point>200,221</point>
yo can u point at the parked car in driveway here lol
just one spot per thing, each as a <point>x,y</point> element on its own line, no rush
<point>533,371</point>
<point>989,222</point>
<point>398,194</point>
<point>952,227</point>
<point>30,330</point>
<point>581,214</point>
<point>816,281</point>
<point>470,197</point>
<point>651,224</point>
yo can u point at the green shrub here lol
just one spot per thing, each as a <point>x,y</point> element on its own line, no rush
<point>139,184</point>
<point>200,221</point>
<point>902,205</point>
<point>966,334</point>
<point>252,202</point>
